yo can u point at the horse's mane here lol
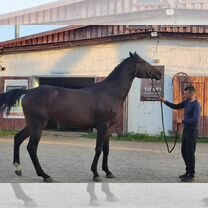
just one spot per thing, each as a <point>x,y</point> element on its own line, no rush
<point>114,74</point>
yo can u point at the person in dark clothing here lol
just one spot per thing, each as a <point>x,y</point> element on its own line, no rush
<point>192,111</point>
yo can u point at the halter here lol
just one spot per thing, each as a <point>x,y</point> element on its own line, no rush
<point>162,115</point>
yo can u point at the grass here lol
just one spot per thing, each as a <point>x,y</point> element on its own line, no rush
<point>144,138</point>
<point>7,133</point>
<point>127,137</point>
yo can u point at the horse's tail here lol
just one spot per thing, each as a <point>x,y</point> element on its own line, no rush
<point>9,99</point>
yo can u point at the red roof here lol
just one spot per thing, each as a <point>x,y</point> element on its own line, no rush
<point>92,34</point>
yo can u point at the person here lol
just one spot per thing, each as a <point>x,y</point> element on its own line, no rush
<point>192,111</point>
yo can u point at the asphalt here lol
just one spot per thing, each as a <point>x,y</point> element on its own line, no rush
<point>67,159</point>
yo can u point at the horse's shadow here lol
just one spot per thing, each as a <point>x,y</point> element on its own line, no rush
<point>21,195</point>
<point>94,200</point>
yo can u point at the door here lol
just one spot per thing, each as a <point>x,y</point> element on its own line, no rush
<point>205,107</point>
<point>180,82</point>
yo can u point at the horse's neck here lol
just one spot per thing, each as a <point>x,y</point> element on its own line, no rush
<point>119,86</point>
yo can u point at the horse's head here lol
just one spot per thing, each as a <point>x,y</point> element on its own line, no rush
<point>143,69</point>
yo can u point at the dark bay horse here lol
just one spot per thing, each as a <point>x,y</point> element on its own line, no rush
<point>96,106</point>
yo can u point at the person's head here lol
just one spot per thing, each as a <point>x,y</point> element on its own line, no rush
<point>189,93</point>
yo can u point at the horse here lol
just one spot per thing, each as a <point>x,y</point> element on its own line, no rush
<point>95,106</point>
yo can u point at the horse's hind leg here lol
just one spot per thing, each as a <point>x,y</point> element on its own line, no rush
<point>105,159</point>
<point>35,135</point>
<point>18,140</point>
<point>102,132</point>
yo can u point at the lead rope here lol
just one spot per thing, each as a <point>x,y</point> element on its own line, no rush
<point>163,125</point>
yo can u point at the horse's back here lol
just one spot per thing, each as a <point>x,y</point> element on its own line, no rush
<point>72,106</point>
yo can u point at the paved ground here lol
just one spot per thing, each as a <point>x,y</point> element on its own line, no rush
<point>67,158</point>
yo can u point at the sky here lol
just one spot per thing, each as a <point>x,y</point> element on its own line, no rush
<point>7,32</point>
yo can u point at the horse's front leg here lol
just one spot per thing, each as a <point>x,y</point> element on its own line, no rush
<point>105,158</point>
<point>101,135</point>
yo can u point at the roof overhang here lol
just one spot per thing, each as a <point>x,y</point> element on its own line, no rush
<point>69,37</point>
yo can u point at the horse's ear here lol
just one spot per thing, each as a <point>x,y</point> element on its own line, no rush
<point>131,55</point>
<point>136,54</point>
<point>138,57</point>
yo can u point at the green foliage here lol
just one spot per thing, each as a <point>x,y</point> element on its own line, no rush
<point>7,133</point>
<point>144,138</point>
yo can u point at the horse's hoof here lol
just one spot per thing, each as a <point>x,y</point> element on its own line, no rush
<point>48,180</point>
<point>97,179</point>
<point>18,172</point>
<point>110,176</point>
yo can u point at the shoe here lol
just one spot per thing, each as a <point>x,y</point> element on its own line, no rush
<point>188,178</point>
<point>182,176</point>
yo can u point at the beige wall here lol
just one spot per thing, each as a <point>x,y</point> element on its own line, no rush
<point>99,60</point>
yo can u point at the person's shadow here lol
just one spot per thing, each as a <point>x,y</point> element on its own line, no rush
<point>21,195</point>
<point>94,201</point>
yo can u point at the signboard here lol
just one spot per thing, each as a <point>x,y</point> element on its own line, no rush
<point>147,92</point>
<point>10,84</point>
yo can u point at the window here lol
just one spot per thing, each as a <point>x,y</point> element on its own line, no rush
<point>10,84</point>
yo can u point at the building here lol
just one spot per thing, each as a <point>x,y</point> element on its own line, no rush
<point>76,12</point>
<point>80,55</point>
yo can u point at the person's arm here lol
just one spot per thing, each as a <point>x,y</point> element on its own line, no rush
<point>196,116</point>
<point>175,106</point>
<point>172,105</point>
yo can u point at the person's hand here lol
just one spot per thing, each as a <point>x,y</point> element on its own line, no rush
<point>162,99</point>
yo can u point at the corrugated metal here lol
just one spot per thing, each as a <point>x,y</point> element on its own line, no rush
<point>62,11</point>
<point>193,4</point>
<point>81,33</point>
<point>69,11</point>
<point>145,6</point>
<point>51,12</point>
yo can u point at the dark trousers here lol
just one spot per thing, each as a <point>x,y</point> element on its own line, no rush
<point>188,148</point>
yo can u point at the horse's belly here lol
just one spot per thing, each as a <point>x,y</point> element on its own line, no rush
<point>73,119</point>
